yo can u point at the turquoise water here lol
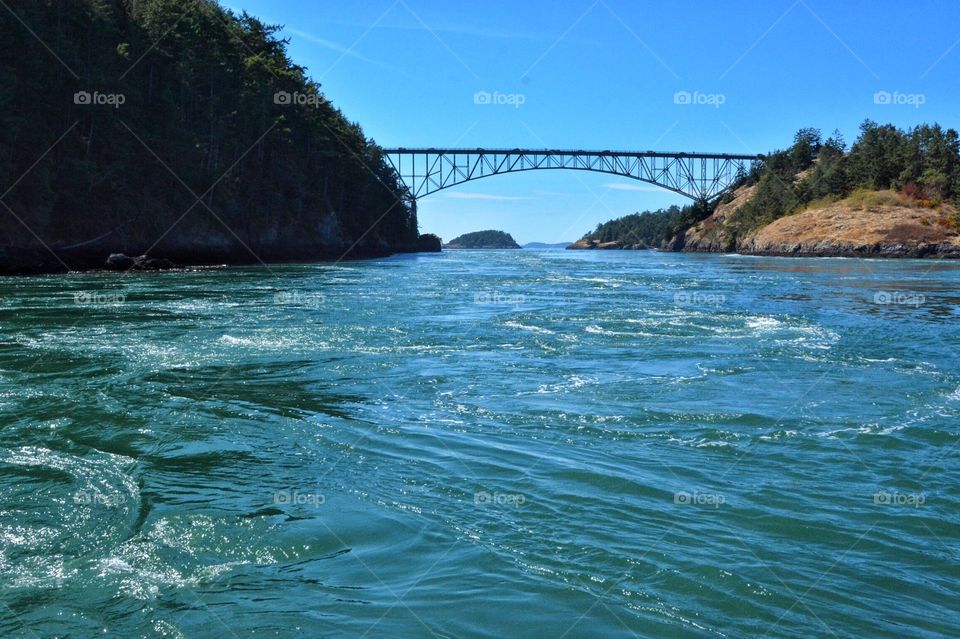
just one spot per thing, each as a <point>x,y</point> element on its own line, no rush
<point>484,444</point>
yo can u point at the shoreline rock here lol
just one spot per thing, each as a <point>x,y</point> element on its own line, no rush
<point>944,250</point>
<point>590,245</point>
<point>28,261</point>
<point>122,262</point>
<point>429,243</point>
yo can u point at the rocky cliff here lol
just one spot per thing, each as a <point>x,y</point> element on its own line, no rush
<point>890,226</point>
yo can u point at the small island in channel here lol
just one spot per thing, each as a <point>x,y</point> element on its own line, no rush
<point>483,240</point>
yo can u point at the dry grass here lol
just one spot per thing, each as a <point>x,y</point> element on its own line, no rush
<point>869,200</point>
<point>819,203</point>
<point>875,217</point>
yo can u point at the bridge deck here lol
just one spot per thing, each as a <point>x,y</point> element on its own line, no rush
<point>604,153</point>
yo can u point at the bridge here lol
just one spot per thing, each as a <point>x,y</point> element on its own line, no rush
<point>700,176</point>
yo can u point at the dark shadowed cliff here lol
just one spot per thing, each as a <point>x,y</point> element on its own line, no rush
<point>177,128</point>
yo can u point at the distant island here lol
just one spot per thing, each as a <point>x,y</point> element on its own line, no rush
<point>483,240</point>
<point>894,193</point>
<point>545,245</point>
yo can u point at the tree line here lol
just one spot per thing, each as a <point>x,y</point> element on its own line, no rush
<point>648,228</point>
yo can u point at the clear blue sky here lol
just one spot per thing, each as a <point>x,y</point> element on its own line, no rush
<point>603,74</point>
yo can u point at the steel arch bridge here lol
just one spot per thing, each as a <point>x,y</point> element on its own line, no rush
<point>699,176</point>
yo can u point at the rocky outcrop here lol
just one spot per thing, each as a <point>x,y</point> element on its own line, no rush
<point>121,253</point>
<point>837,230</point>
<point>547,245</point>
<point>121,262</point>
<point>429,243</point>
<point>587,244</point>
<point>712,234</point>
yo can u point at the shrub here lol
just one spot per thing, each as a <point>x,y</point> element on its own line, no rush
<point>864,198</point>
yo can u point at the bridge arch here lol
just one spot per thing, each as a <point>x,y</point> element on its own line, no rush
<point>699,176</point>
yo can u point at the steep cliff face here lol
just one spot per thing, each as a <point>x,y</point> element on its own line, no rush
<point>185,131</point>
<point>713,234</point>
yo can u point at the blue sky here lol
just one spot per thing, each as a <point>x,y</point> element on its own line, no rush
<point>602,74</point>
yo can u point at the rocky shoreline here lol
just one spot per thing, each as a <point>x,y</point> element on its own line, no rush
<point>841,229</point>
<point>942,250</point>
<point>826,248</point>
<point>586,245</point>
<point>836,230</point>
<point>42,261</point>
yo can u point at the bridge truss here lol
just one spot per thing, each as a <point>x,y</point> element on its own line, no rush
<point>699,176</point>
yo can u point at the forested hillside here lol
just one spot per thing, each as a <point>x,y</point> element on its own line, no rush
<point>637,230</point>
<point>922,165</point>
<point>179,128</point>
<point>886,167</point>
